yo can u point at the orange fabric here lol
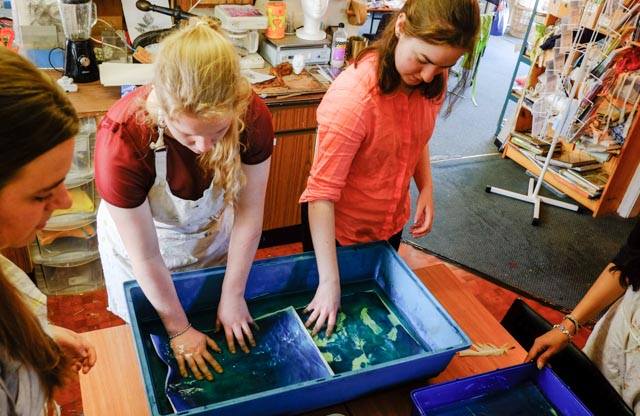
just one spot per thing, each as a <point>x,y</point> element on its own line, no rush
<point>46,237</point>
<point>367,150</point>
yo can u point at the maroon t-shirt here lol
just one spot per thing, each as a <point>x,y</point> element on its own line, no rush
<point>125,166</point>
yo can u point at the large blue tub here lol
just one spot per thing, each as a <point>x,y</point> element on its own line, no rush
<point>376,265</point>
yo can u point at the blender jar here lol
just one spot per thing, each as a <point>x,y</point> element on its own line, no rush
<point>78,17</point>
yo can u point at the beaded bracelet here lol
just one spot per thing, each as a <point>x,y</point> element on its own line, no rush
<point>182,331</point>
<point>573,320</point>
<point>564,330</point>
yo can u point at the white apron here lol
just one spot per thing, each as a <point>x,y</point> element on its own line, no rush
<point>614,346</point>
<point>191,234</point>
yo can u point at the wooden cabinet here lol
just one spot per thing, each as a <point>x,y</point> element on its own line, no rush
<point>290,165</point>
<point>295,128</point>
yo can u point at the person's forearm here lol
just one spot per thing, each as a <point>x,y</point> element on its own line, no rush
<point>155,280</point>
<point>422,173</point>
<point>603,292</point>
<point>138,234</point>
<point>322,226</point>
<point>245,237</point>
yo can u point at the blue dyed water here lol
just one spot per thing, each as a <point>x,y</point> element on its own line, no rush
<point>366,333</point>
<point>370,331</point>
<point>523,400</point>
<point>284,355</point>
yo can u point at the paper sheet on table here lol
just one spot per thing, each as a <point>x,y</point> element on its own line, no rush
<point>115,74</point>
<point>255,77</point>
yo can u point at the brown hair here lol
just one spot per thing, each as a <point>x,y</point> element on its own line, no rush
<point>439,22</point>
<point>36,117</point>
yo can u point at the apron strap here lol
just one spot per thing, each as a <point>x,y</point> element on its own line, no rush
<point>161,165</point>
<point>160,152</point>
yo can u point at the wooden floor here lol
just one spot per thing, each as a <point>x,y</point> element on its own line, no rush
<point>88,312</point>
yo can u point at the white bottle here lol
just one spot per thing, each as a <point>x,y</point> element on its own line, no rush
<point>339,47</point>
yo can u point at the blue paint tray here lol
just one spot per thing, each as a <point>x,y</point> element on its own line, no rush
<point>520,390</point>
<point>393,330</point>
<point>284,355</point>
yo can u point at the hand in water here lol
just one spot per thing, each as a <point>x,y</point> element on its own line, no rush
<point>190,349</point>
<point>234,316</point>
<point>324,308</point>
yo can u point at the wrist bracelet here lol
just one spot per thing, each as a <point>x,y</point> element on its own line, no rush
<point>182,331</point>
<point>564,330</point>
<point>573,320</point>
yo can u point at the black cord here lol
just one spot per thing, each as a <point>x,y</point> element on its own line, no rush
<point>50,63</point>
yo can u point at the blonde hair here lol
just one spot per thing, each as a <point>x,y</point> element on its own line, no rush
<point>197,71</point>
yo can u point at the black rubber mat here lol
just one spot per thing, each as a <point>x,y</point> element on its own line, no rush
<point>555,262</point>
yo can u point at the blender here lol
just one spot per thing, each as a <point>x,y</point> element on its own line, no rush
<point>78,17</point>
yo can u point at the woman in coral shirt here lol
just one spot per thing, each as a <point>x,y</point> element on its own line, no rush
<point>374,125</point>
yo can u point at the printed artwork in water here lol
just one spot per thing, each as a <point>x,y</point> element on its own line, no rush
<point>284,355</point>
<point>366,333</point>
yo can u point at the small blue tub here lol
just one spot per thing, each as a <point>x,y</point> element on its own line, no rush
<point>519,390</point>
<point>376,267</point>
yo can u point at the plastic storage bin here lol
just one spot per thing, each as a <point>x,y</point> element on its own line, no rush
<point>518,390</point>
<point>81,277</point>
<point>82,211</point>
<point>62,247</point>
<point>519,19</point>
<point>373,264</point>
<point>82,165</point>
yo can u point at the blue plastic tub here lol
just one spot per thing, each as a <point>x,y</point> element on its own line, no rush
<point>372,264</point>
<point>519,390</point>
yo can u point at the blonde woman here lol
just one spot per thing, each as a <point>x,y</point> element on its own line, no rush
<point>182,167</point>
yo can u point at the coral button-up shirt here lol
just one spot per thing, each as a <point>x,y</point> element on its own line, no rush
<point>368,147</point>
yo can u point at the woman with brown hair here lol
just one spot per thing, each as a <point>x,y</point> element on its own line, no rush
<point>36,138</point>
<point>374,124</point>
<point>182,167</point>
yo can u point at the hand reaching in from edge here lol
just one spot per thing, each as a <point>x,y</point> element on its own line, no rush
<point>546,345</point>
<point>80,353</point>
